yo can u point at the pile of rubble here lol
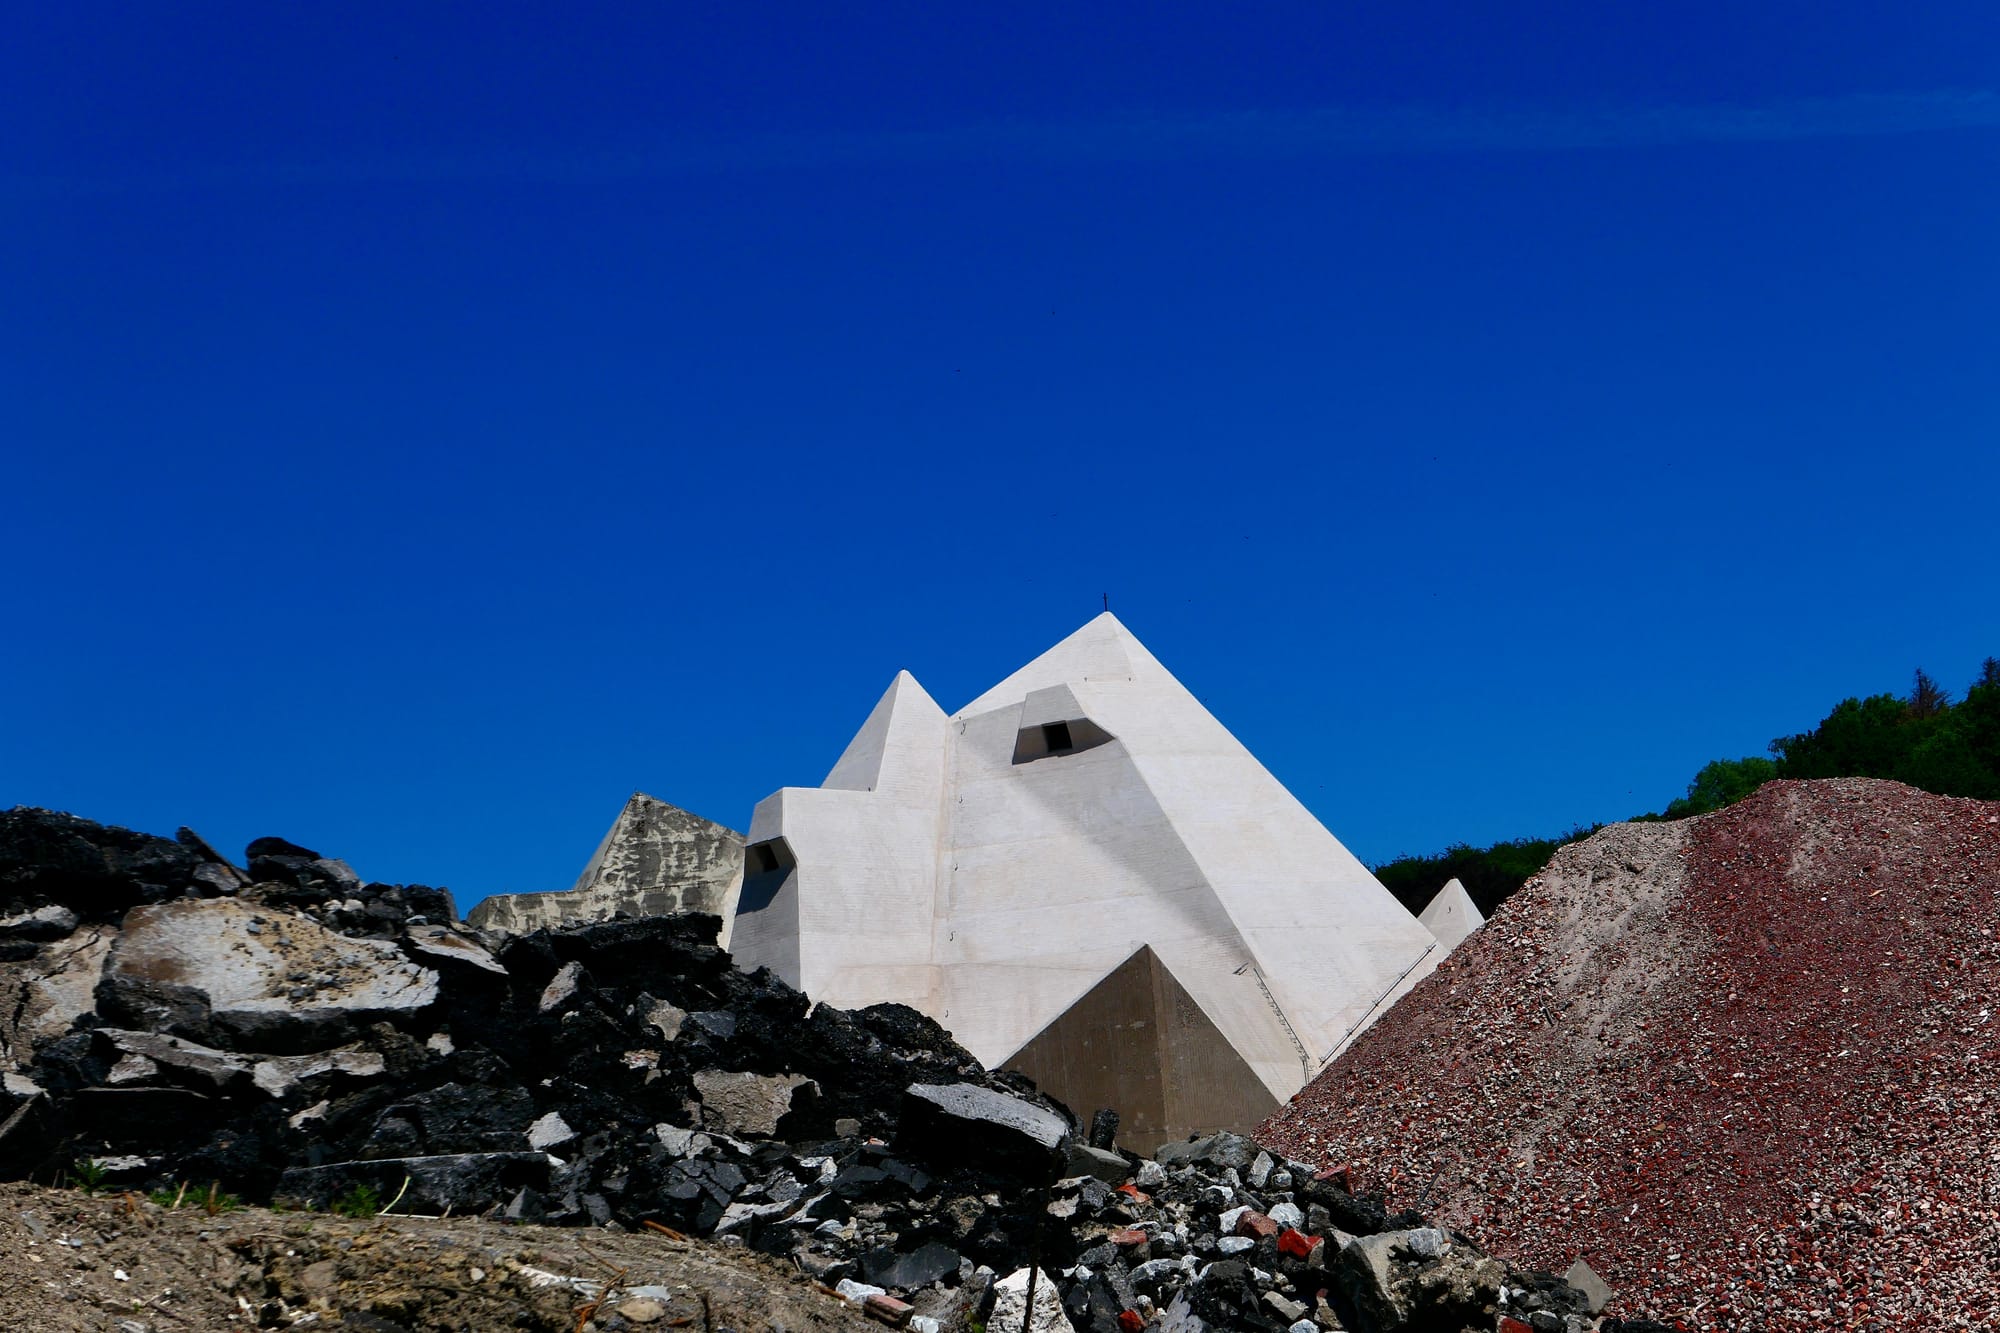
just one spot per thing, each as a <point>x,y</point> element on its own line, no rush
<point>1747,1065</point>
<point>288,1032</point>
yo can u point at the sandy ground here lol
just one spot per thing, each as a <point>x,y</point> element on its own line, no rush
<point>71,1262</point>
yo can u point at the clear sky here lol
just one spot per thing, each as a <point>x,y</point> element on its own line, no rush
<point>423,425</point>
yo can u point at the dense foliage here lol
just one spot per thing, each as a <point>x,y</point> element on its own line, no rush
<point>1489,874</point>
<point>1923,739</point>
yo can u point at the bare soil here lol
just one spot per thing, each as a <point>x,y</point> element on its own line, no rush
<point>71,1263</point>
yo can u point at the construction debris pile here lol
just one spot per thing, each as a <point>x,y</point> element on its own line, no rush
<point>1746,1065</point>
<point>289,1032</point>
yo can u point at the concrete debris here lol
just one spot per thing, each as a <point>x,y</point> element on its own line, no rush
<point>750,1105</point>
<point>1011,1298</point>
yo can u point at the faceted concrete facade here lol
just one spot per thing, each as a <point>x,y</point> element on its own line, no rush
<point>657,860</point>
<point>995,867</point>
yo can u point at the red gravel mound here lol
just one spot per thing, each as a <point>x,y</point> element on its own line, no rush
<point>1746,1065</point>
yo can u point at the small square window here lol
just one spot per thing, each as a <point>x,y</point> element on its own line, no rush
<point>1055,735</point>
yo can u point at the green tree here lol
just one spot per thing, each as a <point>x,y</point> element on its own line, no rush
<point>1860,738</point>
<point>1927,699</point>
<point>1722,782</point>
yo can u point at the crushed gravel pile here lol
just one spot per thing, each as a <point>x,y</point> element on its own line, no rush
<point>1746,1066</point>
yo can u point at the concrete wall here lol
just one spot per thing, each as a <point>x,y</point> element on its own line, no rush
<point>655,860</point>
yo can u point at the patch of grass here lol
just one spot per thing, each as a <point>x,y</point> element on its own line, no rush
<point>87,1174</point>
<point>362,1200</point>
<point>213,1200</point>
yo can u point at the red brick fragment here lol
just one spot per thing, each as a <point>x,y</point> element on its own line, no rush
<point>1128,1237</point>
<point>1256,1226</point>
<point>1296,1243</point>
<point>1134,1193</point>
<point>888,1310</point>
<point>1130,1321</point>
<point>1509,1324</point>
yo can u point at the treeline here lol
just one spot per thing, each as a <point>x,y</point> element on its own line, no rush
<point>1922,738</point>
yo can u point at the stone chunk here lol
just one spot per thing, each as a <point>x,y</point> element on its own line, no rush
<point>44,923</point>
<point>1081,1159</point>
<point>437,947</point>
<point>963,1123</point>
<point>1221,1151</point>
<point>1010,1305</point>
<point>217,1069</point>
<point>1256,1226</point>
<point>569,979</point>
<point>930,1262</point>
<point>294,986</point>
<point>747,1104</point>
<point>551,1131</point>
<point>1596,1293</point>
<point>281,1075</point>
<point>1417,1278</point>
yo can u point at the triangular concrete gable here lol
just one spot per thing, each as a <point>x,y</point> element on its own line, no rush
<point>1138,1043</point>
<point>1451,915</point>
<point>898,741</point>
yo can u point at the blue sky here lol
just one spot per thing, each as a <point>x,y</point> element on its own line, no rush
<point>425,425</point>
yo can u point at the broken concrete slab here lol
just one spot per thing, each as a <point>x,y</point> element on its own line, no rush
<point>1222,1151</point>
<point>1080,1159</point>
<point>435,946</point>
<point>1011,1308</point>
<point>550,1132</point>
<point>747,1104</point>
<point>282,1076</point>
<point>42,997</point>
<point>963,1122</point>
<point>216,1069</point>
<point>277,982</point>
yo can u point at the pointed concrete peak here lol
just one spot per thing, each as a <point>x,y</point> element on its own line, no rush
<point>1451,915</point>
<point>1102,649</point>
<point>903,707</point>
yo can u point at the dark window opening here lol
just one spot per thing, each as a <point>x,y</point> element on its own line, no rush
<point>1055,735</point>
<point>763,858</point>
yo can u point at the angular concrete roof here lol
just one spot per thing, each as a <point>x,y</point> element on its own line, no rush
<point>994,867</point>
<point>1451,914</point>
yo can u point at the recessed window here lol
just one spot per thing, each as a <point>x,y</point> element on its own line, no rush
<point>765,857</point>
<point>1048,740</point>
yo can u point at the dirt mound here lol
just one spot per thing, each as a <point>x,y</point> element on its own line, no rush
<point>70,1263</point>
<point>1744,1065</point>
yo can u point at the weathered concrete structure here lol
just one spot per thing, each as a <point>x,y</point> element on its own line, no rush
<point>656,860</point>
<point>1082,873</point>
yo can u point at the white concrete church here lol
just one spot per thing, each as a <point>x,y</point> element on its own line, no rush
<point>1085,877</point>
